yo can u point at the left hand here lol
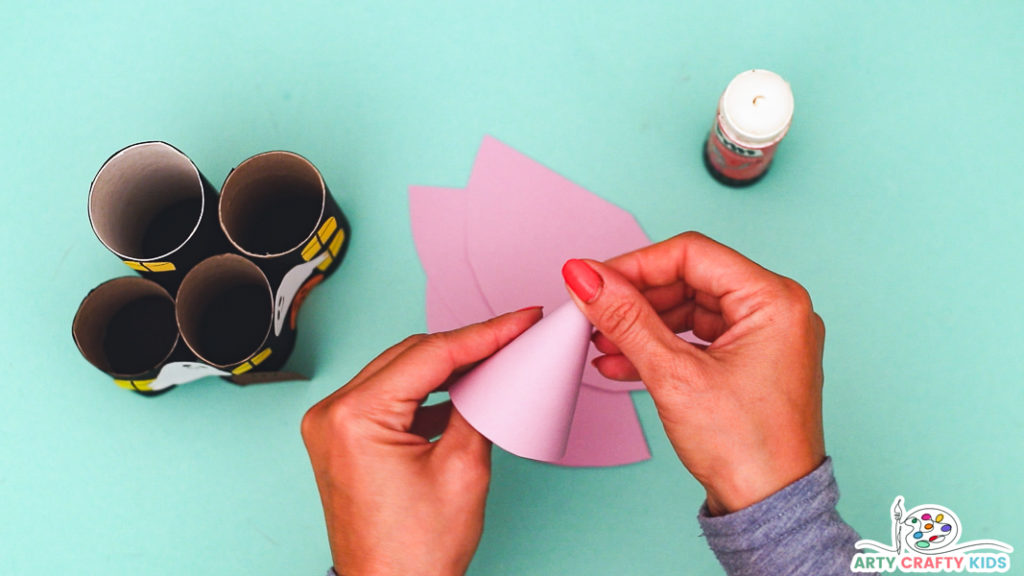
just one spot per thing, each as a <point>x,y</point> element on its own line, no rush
<point>395,502</point>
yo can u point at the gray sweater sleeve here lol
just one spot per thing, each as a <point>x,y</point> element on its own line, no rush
<point>795,531</point>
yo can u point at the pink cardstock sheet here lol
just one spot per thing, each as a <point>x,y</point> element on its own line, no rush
<point>497,246</point>
<point>524,221</point>
<point>440,318</point>
<point>438,229</point>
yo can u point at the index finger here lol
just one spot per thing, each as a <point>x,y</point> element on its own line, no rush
<point>421,368</point>
<point>700,262</point>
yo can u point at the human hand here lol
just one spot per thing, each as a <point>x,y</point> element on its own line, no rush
<point>744,414</point>
<point>395,502</point>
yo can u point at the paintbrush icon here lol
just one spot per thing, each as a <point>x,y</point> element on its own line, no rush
<point>897,515</point>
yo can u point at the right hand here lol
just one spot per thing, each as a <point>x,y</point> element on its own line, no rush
<point>743,414</point>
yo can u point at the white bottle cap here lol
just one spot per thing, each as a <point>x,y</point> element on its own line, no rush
<point>756,108</point>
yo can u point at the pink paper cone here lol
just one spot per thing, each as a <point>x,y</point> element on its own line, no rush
<point>523,398</point>
<point>605,430</point>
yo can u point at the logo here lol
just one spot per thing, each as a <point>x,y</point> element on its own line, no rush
<point>733,147</point>
<point>927,539</point>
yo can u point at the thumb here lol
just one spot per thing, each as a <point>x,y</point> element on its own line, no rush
<point>620,312</point>
<point>460,436</point>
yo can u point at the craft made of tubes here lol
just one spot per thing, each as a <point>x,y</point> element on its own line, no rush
<point>221,277</point>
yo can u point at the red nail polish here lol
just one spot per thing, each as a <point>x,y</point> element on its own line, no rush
<point>583,280</point>
<point>530,308</point>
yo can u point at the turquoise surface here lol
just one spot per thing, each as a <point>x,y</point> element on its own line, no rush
<point>896,199</point>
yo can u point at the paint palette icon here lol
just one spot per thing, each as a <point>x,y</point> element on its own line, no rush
<point>932,529</point>
<point>928,530</point>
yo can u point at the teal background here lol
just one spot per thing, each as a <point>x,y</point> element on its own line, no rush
<point>895,199</point>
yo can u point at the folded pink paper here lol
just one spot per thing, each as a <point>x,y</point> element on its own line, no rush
<point>523,398</point>
<point>524,220</point>
<point>438,228</point>
<point>603,430</point>
<point>440,317</point>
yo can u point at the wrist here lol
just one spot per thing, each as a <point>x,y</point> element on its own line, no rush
<point>395,571</point>
<point>390,567</point>
<point>745,486</point>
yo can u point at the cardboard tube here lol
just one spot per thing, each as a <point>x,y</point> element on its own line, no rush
<point>224,314</point>
<point>150,205</point>
<point>126,328</point>
<point>276,209</point>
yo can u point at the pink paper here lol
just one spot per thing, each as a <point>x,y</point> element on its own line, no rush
<point>440,317</point>
<point>529,220</point>
<point>603,430</point>
<point>438,229</point>
<point>524,221</point>
<point>523,397</point>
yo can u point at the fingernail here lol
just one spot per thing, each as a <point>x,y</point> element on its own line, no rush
<point>529,308</point>
<point>583,280</point>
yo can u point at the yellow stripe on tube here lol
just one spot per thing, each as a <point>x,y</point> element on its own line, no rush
<point>327,229</point>
<point>252,363</point>
<point>311,249</point>
<point>150,266</point>
<point>339,239</point>
<point>141,385</point>
<point>242,369</point>
<point>259,358</point>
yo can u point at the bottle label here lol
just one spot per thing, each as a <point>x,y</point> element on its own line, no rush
<point>734,161</point>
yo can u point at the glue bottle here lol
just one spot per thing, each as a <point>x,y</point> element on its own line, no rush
<point>754,114</point>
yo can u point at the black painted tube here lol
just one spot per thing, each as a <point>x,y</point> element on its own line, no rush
<point>225,312</point>
<point>126,327</point>
<point>276,209</point>
<point>153,208</point>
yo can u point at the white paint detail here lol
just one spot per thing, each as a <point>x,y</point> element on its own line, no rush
<point>176,373</point>
<point>289,287</point>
